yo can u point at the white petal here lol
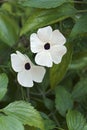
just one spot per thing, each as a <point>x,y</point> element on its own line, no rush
<point>38,73</point>
<point>57,53</point>
<point>57,38</point>
<point>36,44</point>
<point>44,58</point>
<point>28,60</point>
<point>44,33</point>
<point>24,58</point>
<point>17,63</point>
<point>21,56</point>
<point>25,78</point>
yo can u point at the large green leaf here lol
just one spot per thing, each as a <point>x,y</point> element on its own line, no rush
<point>42,18</point>
<point>75,120</point>
<point>5,51</point>
<point>63,100</point>
<point>8,30</point>
<point>10,123</point>
<point>80,26</point>
<point>3,84</point>
<point>57,72</point>
<point>80,90</point>
<point>85,127</point>
<point>43,3</point>
<point>24,112</point>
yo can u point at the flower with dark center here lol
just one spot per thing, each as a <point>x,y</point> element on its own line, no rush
<point>21,63</point>
<point>49,46</point>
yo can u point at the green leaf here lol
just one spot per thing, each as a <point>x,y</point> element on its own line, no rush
<point>57,72</point>
<point>5,51</point>
<point>75,120</point>
<point>49,103</point>
<point>80,26</point>
<point>63,100</point>
<point>80,90</point>
<point>43,3</point>
<point>42,18</point>
<point>8,30</point>
<point>7,6</point>
<point>85,127</point>
<point>24,112</point>
<point>3,84</point>
<point>78,64</point>
<point>49,124</point>
<point>30,128</point>
<point>10,123</point>
<point>79,60</point>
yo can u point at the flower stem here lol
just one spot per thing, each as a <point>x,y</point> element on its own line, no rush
<point>28,94</point>
<point>22,93</point>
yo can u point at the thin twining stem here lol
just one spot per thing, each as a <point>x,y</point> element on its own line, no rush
<point>28,94</point>
<point>81,11</point>
<point>78,2</point>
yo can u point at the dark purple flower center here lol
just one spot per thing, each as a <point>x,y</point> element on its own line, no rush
<point>27,66</point>
<point>47,46</point>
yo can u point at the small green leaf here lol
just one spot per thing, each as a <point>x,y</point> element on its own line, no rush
<point>10,123</point>
<point>42,18</point>
<point>75,120</point>
<point>24,112</point>
<point>49,125</point>
<point>7,6</point>
<point>57,72</point>
<point>63,100</point>
<point>8,30</point>
<point>3,84</point>
<point>49,103</point>
<point>80,90</point>
<point>43,3</point>
<point>80,26</point>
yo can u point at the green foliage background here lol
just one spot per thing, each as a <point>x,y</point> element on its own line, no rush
<point>60,101</point>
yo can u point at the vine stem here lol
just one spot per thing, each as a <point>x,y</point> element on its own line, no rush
<point>28,94</point>
<point>4,66</point>
<point>56,120</point>
<point>79,2</point>
<point>22,93</point>
<point>81,11</point>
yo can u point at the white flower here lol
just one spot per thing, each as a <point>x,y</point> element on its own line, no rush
<point>27,71</point>
<point>49,46</point>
